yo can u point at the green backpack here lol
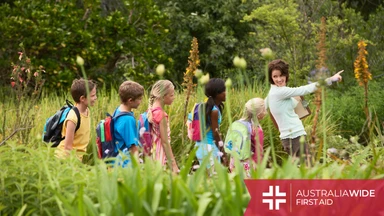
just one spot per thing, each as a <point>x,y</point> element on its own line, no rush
<point>238,139</point>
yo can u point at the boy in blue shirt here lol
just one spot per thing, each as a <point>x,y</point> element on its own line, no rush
<point>125,127</point>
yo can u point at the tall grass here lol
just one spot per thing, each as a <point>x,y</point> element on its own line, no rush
<point>47,186</point>
<point>34,182</point>
<point>108,101</point>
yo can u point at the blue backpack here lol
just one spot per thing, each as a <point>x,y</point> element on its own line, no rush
<point>54,124</point>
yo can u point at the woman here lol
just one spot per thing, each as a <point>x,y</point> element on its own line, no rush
<point>281,104</point>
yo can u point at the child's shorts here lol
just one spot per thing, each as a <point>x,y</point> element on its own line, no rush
<point>204,150</point>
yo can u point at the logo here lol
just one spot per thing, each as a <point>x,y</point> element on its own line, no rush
<point>274,203</point>
<point>342,197</point>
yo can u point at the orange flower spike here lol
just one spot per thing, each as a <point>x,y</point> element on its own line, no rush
<point>362,73</point>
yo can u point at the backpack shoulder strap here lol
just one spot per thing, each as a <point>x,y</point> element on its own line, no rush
<point>77,112</point>
<point>247,124</point>
<point>122,114</point>
<point>114,116</point>
<point>154,109</point>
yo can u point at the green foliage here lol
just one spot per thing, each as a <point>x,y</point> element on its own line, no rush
<point>49,186</point>
<point>34,182</point>
<point>55,32</point>
<point>282,28</point>
<point>217,26</point>
<point>347,107</point>
<point>126,39</point>
<point>375,48</point>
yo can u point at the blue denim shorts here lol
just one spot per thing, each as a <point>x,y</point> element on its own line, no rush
<point>203,151</point>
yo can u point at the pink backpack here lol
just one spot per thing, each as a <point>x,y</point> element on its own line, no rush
<point>194,124</point>
<point>145,136</point>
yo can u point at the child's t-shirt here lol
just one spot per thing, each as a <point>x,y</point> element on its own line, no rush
<point>125,131</point>
<point>209,137</point>
<point>81,138</point>
<point>254,143</point>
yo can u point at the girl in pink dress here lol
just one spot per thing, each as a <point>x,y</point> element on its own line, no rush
<point>162,93</point>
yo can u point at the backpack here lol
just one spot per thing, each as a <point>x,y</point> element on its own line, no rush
<point>145,132</point>
<point>54,124</point>
<point>238,139</point>
<point>194,124</point>
<point>105,141</point>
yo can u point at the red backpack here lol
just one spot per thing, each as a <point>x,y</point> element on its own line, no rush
<point>106,145</point>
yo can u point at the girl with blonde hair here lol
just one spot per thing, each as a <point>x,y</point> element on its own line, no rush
<point>254,111</point>
<point>162,93</point>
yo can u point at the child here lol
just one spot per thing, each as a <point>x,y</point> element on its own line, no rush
<point>216,93</point>
<point>125,129</point>
<point>253,113</point>
<point>78,140</point>
<point>162,93</point>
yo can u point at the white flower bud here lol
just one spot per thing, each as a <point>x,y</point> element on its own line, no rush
<point>243,63</point>
<point>160,69</point>
<point>228,83</point>
<point>267,53</point>
<point>236,61</point>
<point>204,79</point>
<point>79,61</point>
<point>198,73</point>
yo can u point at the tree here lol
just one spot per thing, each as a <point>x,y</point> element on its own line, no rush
<point>218,27</point>
<point>118,40</point>
<point>282,28</point>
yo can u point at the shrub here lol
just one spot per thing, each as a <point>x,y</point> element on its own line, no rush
<point>54,33</point>
<point>347,107</point>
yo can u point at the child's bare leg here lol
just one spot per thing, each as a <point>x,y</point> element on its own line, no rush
<point>133,150</point>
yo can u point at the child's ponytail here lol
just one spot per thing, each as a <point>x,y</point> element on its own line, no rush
<point>214,87</point>
<point>158,91</point>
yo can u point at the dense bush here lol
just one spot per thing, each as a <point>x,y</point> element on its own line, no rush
<point>104,34</point>
<point>121,39</point>
<point>347,107</point>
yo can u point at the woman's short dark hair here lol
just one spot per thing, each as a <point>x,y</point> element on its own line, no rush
<point>280,65</point>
